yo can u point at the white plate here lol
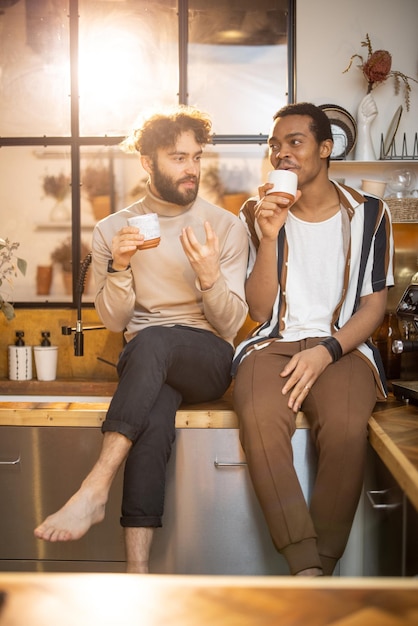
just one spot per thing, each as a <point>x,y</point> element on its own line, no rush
<point>393,127</point>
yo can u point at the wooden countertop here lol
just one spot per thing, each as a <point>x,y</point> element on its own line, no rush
<point>153,600</point>
<point>393,427</point>
<point>393,433</point>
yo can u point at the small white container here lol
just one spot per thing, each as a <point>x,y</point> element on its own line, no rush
<point>20,363</point>
<point>285,183</point>
<point>46,359</point>
<point>149,226</point>
<point>376,187</point>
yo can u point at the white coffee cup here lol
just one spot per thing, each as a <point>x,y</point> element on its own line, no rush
<point>149,226</point>
<point>285,183</point>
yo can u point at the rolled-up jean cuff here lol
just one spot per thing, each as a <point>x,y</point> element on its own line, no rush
<point>302,555</point>
<point>141,522</point>
<point>117,426</point>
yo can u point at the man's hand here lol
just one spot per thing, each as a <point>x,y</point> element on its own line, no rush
<point>271,211</point>
<point>204,259</point>
<point>124,245</point>
<point>303,369</point>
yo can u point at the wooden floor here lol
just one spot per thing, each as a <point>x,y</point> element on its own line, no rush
<point>128,599</point>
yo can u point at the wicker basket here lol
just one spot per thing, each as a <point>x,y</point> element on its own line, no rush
<point>403,209</point>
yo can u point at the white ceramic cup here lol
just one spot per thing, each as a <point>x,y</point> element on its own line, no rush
<point>20,363</point>
<point>46,358</point>
<point>149,226</point>
<point>376,187</point>
<point>285,183</point>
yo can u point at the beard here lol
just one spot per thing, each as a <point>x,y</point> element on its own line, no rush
<point>168,188</point>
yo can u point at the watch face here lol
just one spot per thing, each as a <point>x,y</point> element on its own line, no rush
<point>343,128</point>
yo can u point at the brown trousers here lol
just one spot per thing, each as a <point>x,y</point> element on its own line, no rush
<point>338,408</point>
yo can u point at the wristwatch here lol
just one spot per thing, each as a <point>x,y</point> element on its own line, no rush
<point>112,270</point>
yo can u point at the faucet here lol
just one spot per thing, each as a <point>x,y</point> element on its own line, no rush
<point>78,329</point>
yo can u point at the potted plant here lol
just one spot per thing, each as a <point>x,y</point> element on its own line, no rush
<point>97,184</point>
<point>10,265</point>
<point>63,256</point>
<point>58,187</point>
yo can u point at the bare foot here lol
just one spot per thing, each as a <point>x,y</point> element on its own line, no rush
<point>74,519</point>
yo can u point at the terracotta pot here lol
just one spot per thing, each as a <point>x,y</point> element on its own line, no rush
<point>233,201</point>
<point>43,279</point>
<point>101,206</point>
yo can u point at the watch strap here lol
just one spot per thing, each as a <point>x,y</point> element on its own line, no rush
<point>112,270</point>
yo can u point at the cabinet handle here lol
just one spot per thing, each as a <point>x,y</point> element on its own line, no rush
<point>229,463</point>
<point>382,506</point>
<point>15,462</point>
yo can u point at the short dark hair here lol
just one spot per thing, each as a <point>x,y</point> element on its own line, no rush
<point>161,130</point>
<point>320,125</point>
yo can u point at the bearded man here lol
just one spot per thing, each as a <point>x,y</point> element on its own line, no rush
<point>180,305</point>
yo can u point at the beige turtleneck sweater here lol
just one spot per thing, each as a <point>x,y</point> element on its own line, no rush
<point>160,288</point>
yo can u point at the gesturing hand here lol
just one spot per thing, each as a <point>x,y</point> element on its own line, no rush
<point>204,258</point>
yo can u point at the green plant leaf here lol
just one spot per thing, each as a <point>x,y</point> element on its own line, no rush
<point>22,265</point>
<point>8,310</point>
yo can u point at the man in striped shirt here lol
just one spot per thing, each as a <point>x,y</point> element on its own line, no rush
<point>317,284</point>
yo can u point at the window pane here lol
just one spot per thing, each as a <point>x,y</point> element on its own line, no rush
<point>35,196</point>
<point>231,174</point>
<point>237,59</point>
<point>34,78</point>
<point>128,62</point>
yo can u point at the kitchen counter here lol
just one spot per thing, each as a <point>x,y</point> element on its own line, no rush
<point>393,427</point>
<point>393,433</point>
<point>126,599</point>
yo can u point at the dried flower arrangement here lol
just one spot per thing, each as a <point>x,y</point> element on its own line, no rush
<point>378,67</point>
<point>9,266</point>
<point>57,186</point>
<point>96,181</point>
<point>63,254</point>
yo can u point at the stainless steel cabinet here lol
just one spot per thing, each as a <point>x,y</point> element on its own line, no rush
<point>213,523</point>
<point>391,525</point>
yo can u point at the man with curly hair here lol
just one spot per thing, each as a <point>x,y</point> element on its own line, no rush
<point>180,305</point>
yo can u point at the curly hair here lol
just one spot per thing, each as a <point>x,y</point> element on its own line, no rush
<point>161,130</point>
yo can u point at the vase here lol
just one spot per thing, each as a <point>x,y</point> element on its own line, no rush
<point>366,114</point>
<point>60,212</point>
<point>67,278</point>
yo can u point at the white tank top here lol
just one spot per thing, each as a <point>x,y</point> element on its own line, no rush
<point>315,275</point>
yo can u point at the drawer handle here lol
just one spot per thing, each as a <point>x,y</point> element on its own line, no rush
<point>382,506</point>
<point>229,463</point>
<point>16,462</point>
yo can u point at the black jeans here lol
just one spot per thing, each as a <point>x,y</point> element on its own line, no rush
<point>158,370</point>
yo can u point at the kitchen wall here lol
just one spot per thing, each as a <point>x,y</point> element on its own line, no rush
<point>328,32</point>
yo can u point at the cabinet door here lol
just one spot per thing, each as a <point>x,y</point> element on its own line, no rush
<point>40,468</point>
<point>213,523</point>
<point>392,526</point>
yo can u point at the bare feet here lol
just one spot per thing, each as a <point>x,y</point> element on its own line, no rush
<point>74,519</point>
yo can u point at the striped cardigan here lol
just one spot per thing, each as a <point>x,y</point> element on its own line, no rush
<point>368,251</point>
